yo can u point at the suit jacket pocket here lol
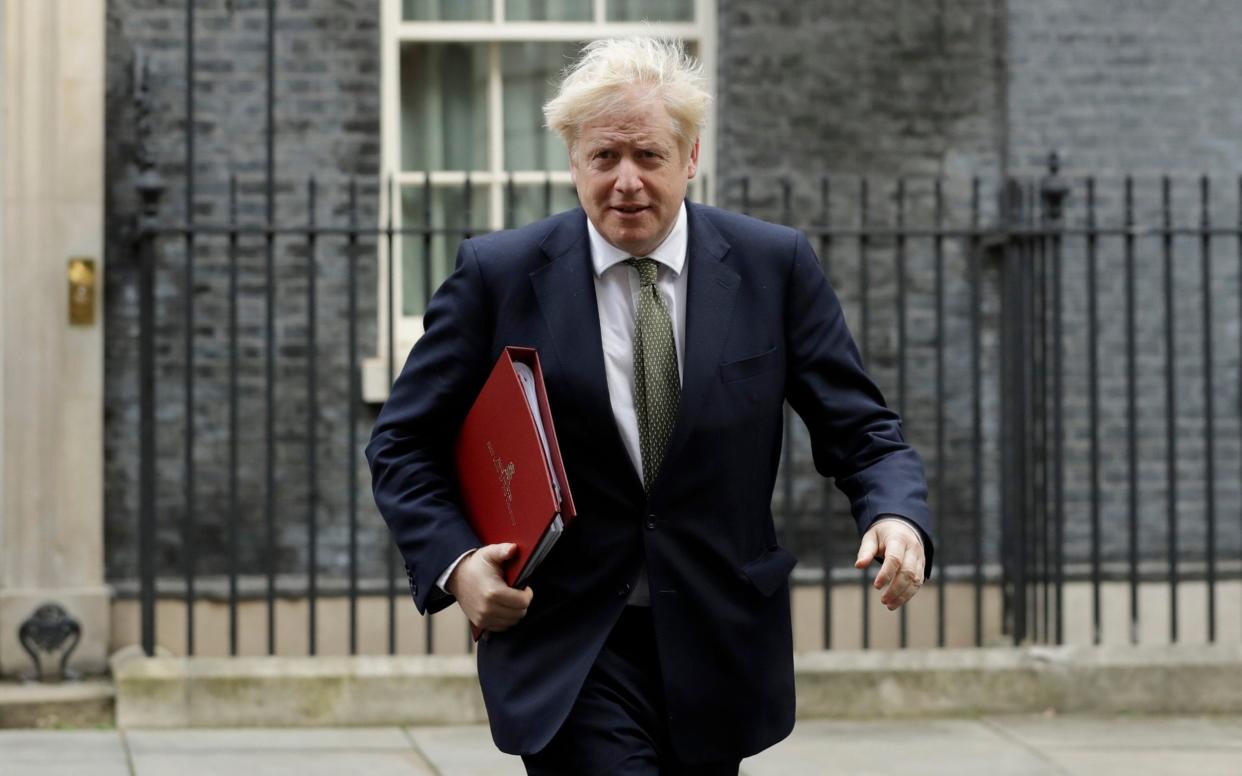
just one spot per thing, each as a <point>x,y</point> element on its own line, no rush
<point>769,570</point>
<point>748,367</point>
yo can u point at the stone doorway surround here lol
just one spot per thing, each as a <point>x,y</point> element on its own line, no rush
<point>51,372</point>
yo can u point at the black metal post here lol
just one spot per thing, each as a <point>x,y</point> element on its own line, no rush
<point>352,451</point>
<point>864,291</point>
<point>941,341</point>
<point>1054,190</point>
<point>1132,408</point>
<point>234,420</point>
<point>312,420</point>
<point>390,556</point>
<point>269,398</point>
<point>1170,339</point>
<point>976,409</point>
<point>150,188</point>
<point>903,623</point>
<point>1209,411</point>
<point>1013,424</point>
<point>188,542</point>
<point>825,253</point>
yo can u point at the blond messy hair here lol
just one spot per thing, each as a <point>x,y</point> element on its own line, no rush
<point>614,74</point>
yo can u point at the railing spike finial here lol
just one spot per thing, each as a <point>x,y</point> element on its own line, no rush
<point>149,183</point>
<point>1053,190</point>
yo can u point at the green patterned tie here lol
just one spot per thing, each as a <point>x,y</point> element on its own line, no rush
<point>657,386</point>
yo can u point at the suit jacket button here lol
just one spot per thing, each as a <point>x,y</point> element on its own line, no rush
<point>651,522</point>
<point>623,591</point>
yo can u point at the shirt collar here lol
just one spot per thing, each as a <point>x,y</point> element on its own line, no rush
<point>671,253</point>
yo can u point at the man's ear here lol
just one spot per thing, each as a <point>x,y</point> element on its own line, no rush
<point>693,167</point>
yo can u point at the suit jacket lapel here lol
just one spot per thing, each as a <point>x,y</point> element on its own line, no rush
<point>710,290</point>
<point>565,290</point>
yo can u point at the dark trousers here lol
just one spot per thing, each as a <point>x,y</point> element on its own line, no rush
<point>618,725</point>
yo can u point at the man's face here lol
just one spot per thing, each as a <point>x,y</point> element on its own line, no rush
<point>631,174</point>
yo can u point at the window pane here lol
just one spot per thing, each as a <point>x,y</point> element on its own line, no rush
<point>531,72</point>
<point>531,203</point>
<point>549,10</point>
<point>444,106</point>
<point>650,10</point>
<point>446,10</point>
<point>448,211</point>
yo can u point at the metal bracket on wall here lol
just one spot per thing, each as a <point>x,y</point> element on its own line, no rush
<point>46,631</point>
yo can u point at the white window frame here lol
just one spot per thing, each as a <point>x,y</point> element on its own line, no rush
<point>701,33</point>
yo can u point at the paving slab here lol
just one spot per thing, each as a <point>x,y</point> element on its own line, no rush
<point>1129,762</point>
<point>928,747</point>
<point>1131,745</point>
<point>466,750</point>
<point>1009,745</point>
<point>275,752</point>
<point>62,753</point>
<point>1127,732</point>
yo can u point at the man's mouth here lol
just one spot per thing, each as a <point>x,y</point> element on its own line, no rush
<point>629,209</point>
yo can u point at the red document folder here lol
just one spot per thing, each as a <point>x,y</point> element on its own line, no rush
<point>508,485</point>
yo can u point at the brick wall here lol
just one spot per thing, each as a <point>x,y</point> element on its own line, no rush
<point>327,125</point>
<point>1145,89</point>
<point>884,89</point>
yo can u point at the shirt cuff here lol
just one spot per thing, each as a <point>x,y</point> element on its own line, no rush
<point>448,572</point>
<point>917,531</point>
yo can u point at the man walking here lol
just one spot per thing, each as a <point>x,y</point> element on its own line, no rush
<point>655,637</point>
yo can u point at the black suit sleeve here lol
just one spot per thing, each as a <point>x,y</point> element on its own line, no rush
<point>855,437</point>
<point>411,447</point>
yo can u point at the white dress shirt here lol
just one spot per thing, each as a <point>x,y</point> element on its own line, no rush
<point>616,297</point>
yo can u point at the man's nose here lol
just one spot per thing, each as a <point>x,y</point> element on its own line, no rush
<point>628,179</point>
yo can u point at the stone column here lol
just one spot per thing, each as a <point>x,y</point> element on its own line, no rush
<point>51,386</point>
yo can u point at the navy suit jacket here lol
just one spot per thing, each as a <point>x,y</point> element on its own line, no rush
<point>762,326</point>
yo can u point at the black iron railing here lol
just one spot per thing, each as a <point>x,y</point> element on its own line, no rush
<point>986,291</point>
<point>985,308</point>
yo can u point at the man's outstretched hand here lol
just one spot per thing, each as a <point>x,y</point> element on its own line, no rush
<point>479,586</point>
<point>898,543</point>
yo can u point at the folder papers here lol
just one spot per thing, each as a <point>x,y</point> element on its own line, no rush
<point>509,469</point>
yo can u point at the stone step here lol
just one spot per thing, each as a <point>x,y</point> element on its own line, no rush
<point>169,692</point>
<point>83,704</point>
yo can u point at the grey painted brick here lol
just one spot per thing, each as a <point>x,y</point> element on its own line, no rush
<point>885,89</point>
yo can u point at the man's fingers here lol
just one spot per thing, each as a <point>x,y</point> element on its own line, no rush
<point>867,550</point>
<point>507,608</point>
<point>901,573</point>
<point>497,554</point>
<point>901,581</point>
<point>893,552</point>
<point>483,594</point>
<point>907,581</point>
<point>509,598</point>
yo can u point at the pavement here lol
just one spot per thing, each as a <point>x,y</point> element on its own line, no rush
<point>992,745</point>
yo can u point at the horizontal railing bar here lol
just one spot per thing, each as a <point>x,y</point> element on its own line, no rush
<point>305,231</point>
<point>1001,234</point>
<point>418,178</point>
<point>543,32</point>
<point>982,234</point>
<point>293,586</point>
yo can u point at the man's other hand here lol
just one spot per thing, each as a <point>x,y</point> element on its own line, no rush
<point>898,543</point>
<point>479,586</point>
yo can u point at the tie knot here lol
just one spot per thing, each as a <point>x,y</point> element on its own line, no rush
<point>646,270</point>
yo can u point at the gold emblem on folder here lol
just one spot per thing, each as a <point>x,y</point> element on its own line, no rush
<point>505,472</point>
